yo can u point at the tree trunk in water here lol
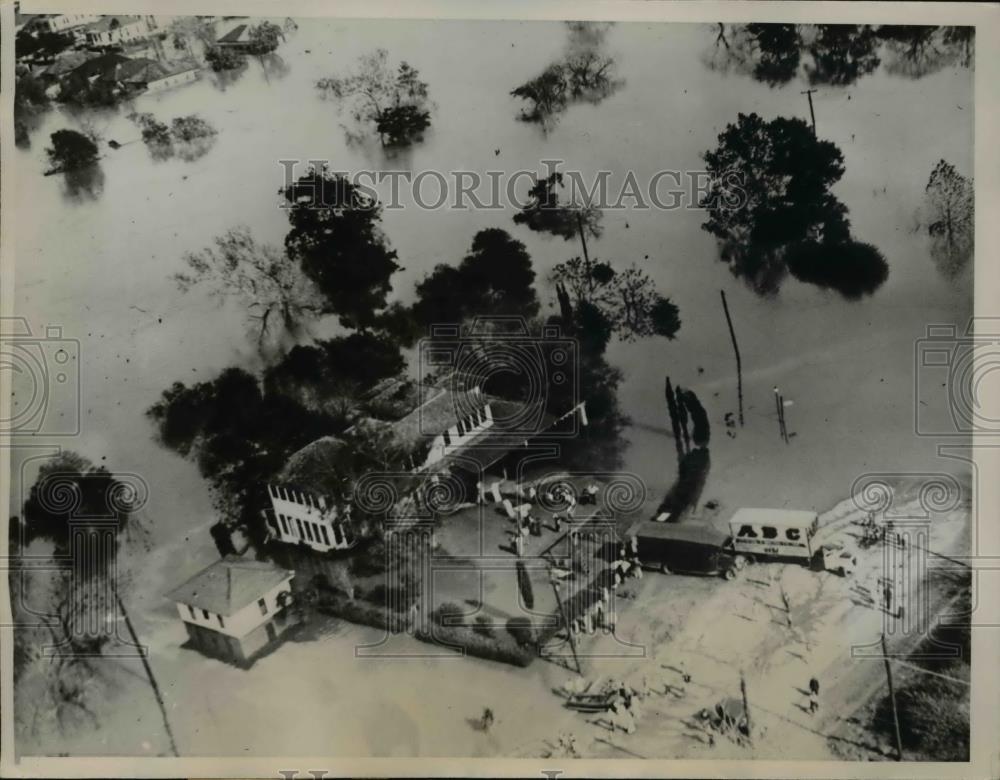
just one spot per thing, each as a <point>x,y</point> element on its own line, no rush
<point>674,419</point>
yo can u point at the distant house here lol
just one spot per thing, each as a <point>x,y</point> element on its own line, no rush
<point>237,39</point>
<point>115,30</point>
<point>63,22</point>
<point>143,74</point>
<point>236,609</point>
<point>175,74</point>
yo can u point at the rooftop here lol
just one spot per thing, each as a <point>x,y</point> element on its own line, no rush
<point>230,584</point>
<point>111,22</point>
<point>239,34</point>
<point>777,518</point>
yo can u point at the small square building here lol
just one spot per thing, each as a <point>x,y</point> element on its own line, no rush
<point>236,609</point>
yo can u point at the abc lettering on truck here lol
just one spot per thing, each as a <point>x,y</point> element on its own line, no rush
<point>777,533</point>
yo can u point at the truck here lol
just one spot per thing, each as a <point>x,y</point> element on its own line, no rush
<point>686,548</point>
<point>787,534</point>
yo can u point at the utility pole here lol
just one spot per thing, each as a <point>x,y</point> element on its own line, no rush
<point>892,698</point>
<point>809,94</point>
<point>143,654</point>
<point>569,629</point>
<point>736,349</point>
<point>746,706</point>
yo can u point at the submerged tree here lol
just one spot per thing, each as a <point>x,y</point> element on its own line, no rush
<point>30,102</point>
<point>394,101</point>
<point>949,202</point>
<point>71,150</point>
<point>239,436</point>
<point>585,74</point>
<point>494,278</point>
<point>918,50</point>
<point>842,53</point>
<point>335,235</point>
<point>770,53</point>
<point>770,190</point>
<point>270,286</point>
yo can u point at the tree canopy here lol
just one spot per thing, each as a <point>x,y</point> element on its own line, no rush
<point>394,101</point>
<point>71,150</point>
<point>770,190</point>
<point>336,236</point>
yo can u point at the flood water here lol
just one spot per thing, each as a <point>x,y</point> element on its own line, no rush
<point>100,266</point>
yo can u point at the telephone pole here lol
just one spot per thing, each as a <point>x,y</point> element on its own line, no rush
<point>809,94</point>
<point>892,698</point>
<point>569,628</point>
<point>736,349</point>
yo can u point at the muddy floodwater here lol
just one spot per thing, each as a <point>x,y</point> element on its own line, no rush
<point>98,262</point>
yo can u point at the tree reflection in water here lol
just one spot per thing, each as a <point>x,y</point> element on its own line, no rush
<point>835,54</point>
<point>83,184</point>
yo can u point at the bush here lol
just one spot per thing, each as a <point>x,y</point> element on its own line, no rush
<point>154,132</point>
<point>224,59</point>
<point>369,560</point>
<point>447,614</point>
<point>933,719</point>
<point>851,268</point>
<point>522,630</point>
<point>191,128</point>
<point>493,648</point>
<point>484,626</point>
<point>397,599</point>
<point>71,150</point>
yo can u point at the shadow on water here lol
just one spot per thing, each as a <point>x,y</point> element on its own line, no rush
<point>83,184</point>
<point>835,54</point>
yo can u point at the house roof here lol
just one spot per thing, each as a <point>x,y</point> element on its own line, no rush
<point>66,63</point>
<point>238,34</point>
<point>230,584</point>
<point>104,65</point>
<point>699,533</point>
<point>436,415</point>
<point>141,70</point>
<point>106,23</point>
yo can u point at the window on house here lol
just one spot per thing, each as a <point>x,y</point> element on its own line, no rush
<point>284,523</point>
<point>447,439</point>
<point>326,539</point>
<point>205,613</point>
<point>336,535</point>
<point>222,623</point>
<point>309,531</point>
<point>263,606</point>
<point>298,524</point>
<point>191,610</point>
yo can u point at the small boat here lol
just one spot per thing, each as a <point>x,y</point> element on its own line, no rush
<point>114,144</point>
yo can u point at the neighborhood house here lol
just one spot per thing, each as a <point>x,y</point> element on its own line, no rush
<point>235,609</point>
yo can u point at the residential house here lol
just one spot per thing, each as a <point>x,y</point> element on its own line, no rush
<point>116,30</point>
<point>59,23</point>
<point>174,75</point>
<point>301,518</point>
<point>236,609</point>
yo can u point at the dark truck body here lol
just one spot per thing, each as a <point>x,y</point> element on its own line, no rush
<point>685,548</point>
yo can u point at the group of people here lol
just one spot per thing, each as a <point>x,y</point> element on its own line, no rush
<point>628,563</point>
<point>600,614</point>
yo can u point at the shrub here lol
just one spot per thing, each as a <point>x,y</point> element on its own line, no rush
<point>224,59</point>
<point>484,626</point>
<point>397,599</point>
<point>191,128</point>
<point>369,560</point>
<point>852,268</point>
<point>933,719</point>
<point>522,630</point>
<point>154,132</point>
<point>447,614</point>
<point>493,648</point>
<point>71,150</point>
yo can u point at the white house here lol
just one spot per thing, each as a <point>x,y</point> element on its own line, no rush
<point>449,421</point>
<point>62,22</point>
<point>300,518</point>
<point>236,608</point>
<point>111,30</point>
